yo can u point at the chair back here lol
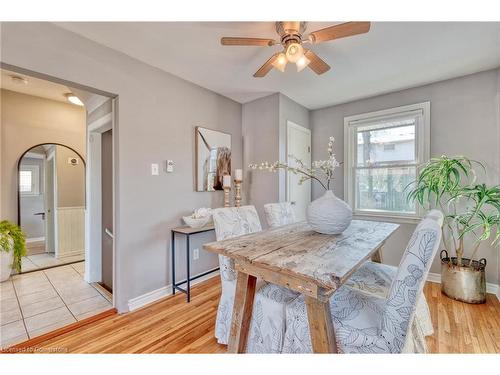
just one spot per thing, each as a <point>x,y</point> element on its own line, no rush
<point>278,214</point>
<point>232,222</point>
<point>408,284</point>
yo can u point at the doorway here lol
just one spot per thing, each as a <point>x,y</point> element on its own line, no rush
<point>51,181</point>
<point>298,144</point>
<point>100,246</point>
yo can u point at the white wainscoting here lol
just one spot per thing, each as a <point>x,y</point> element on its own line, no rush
<point>70,231</point>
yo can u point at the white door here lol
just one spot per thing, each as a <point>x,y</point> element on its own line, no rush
<point>49,205</point>
<point>298,144</point>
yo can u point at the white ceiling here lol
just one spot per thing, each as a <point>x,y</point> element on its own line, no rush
<point>48,89</point>
<point>34,86</point>
<point>391,57</point>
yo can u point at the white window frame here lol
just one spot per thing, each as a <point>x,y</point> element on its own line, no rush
<point>35,180</point>
<point>422,153</point>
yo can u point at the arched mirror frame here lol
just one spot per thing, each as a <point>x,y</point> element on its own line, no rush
<point>19,166</point>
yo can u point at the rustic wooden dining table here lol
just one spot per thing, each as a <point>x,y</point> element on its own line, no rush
<point>296,257</point>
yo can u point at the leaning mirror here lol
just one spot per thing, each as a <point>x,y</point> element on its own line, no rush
<point>213,158</point>
<point>51,206</point>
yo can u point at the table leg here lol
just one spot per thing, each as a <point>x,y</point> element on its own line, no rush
<point>173,262</point>
<point>377,256</point>
<point>242,312</point>
<point>320,326</point>
<point>188,271</point>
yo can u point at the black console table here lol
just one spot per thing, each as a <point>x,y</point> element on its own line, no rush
<point>187,232</point>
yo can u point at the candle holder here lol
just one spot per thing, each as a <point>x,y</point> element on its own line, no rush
<point>227,189</point>
<point>237,195</point>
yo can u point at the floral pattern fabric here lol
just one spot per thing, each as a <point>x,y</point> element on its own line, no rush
<point>278,214</point>
<point>369,324</point>
<point>267,326</point>
<point>376,278</point>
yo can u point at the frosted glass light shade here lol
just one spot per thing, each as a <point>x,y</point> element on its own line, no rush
<point>294,52</point>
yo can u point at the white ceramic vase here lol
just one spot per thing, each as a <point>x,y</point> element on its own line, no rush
<point>329,214</point>
<point>6,260</point>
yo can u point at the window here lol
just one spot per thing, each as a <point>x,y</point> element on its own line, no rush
<point>383,151</point>
<point>29,180</point>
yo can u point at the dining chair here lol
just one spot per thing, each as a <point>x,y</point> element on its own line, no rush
<point>376,278</point>
<point>278,214</point>
<point>267,326</point>
<point>367,323</point>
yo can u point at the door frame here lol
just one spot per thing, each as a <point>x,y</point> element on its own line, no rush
<point>51,158</point>
<point>293,125</point>
<point>93,216</point>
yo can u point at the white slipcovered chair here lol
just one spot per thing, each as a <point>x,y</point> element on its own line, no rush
<point>267,327</point>
<point>376,278</point>
<point>367,323</point>
<point>278,214</point>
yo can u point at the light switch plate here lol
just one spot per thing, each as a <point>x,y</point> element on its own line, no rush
<point>155,170</point>
<point>170,166</point>
<point>196,254</point>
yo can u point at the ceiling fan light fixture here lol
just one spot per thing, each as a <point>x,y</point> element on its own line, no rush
<point>302,62</point>
<point>280,62</point>
<point>294,52</point>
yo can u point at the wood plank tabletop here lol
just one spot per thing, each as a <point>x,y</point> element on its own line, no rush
<point>296,250</point>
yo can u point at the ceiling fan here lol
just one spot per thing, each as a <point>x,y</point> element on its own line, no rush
<point>291,38</point>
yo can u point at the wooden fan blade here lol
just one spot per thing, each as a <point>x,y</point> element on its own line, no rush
<point>339,31</point>
<point>230,41</point>
<point>266,68</point>
<point>316,64</point>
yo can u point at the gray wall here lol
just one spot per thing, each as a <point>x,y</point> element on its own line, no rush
<point>157,113</point>
<point>464,121</point>
<point>264,136</point>
<point>260,126</point>
<point>27,121</point>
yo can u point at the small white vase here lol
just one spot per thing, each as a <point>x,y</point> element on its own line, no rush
<point>329,214</point>
<point>6,260</point>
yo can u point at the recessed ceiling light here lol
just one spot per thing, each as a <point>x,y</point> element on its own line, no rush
<point>73,99</point>
<point>19,80</point>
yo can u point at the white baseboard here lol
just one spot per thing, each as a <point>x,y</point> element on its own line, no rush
<point>490,287</point>
<point>35,239</point>
<point>164,291</point>
<point>71,253</point>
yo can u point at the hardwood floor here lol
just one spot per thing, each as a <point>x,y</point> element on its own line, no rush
<point>174,326</point>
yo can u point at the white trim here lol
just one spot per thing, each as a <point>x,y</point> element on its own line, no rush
<point>157,294</point>
<point>490,287</point>
<point>95,102</point>
<point>102,124</point>
<point>35,239</point>
<point>72,253</point>
<point>34,155</point>
<point>422,148</point>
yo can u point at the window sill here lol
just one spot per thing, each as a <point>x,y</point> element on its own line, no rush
<point>387,217</point>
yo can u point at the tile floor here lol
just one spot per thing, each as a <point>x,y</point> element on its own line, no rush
<point>38,302</point>
<point>38,261</point>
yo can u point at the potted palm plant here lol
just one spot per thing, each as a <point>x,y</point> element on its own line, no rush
<point>472,216</point>
<point>12,248</point>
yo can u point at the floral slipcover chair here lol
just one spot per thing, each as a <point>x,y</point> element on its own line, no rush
<point>367,323</point>
<point>267,327</point>
<point>278,214</point>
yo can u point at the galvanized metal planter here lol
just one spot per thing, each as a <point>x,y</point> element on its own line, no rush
<point>463,283</point>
